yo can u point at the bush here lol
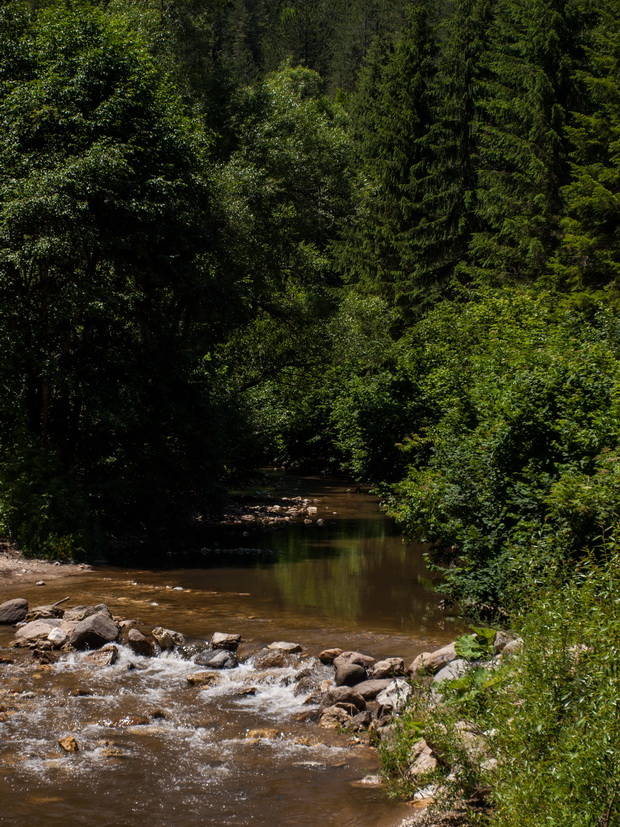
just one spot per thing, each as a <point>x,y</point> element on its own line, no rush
<point>513,471</point>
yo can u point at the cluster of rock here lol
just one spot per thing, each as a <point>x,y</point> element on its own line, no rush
<point>51,628</point>
<point>364,693</point>
<point>280,512</point>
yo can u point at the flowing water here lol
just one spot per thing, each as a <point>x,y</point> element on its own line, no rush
<point>154,749</point>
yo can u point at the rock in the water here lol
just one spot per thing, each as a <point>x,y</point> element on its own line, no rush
<point>395,695</point>
<point>354,657</point>
<point>36,632</point>
<point>265,659</point>
<point>167,638</point>
<point>190,650</point>
<point>13,611</point>
<point>343,695</point>
<point>106,656</point>
<point>221,640</point>
<point>140,644</point>
<point>388,668</point>
<point>217,659</point>
<point>59,635</point>
<point>266,733</point>
<point>79,613</point>
<point>327,656</point>
<point>94,631</point>
<point>69,744</point>
<point>285,646</point>
<point>128,721</point>
<point>430,662</point>
<point>333,717</point>
<point>348,674</point>
<point>370,689</point>
<point>421,760</point>
<point>203,679</point>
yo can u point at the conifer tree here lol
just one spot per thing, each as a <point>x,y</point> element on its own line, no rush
<point>379,251</point>
<point>589,254</point>
<point>523,153</point>
<point>448,205</point>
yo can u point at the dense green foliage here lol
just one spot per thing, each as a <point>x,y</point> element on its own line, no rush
<point>538,735</point>
<point>348,236</point>
<point>376,236</point>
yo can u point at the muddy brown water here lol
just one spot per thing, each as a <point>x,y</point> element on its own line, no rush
<point>351,583</point>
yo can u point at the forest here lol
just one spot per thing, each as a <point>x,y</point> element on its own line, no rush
<point>367,236</point>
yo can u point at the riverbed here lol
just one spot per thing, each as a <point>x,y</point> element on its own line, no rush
<point>155,749</point>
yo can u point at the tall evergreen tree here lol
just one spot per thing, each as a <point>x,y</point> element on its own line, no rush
<point>379,250</point>
<point>448,191</point>
<point>589,254</point>
<point>523,163</point>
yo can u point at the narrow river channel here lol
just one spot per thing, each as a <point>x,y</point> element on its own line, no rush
<point>350,582</point>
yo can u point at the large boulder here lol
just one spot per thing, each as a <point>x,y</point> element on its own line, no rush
<point>430,662</point>
<point>140,644</point>
<point>13,611</point>
<point>388,668</point>
<point>93,632</point>
<point>327,656</point>
<point>223,640</point>
<point>348,674</point>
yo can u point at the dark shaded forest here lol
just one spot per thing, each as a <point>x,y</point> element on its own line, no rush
<point>373,236</point>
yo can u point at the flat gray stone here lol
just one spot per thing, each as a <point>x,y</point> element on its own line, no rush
<point>285,646</point>
<point>370,689</point>
<point>217,659</point>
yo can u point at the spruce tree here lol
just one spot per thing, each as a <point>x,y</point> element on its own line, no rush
<point>448,205</point>
<point>523,158</point>
<point>379,250</point>
<point>589,254</point>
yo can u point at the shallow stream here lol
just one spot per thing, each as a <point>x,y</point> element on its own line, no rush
<point>154,749</point>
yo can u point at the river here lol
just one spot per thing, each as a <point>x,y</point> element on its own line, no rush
<point>350,582</point>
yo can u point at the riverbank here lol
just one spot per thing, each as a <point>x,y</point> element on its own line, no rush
<point>16,569</point>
